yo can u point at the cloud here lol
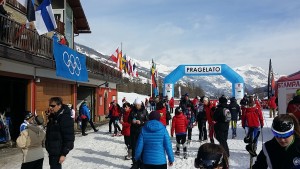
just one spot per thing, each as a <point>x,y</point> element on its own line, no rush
<point>199,32</point>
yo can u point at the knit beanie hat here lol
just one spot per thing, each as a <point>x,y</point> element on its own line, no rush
<point>222,99</point>
<point>154,115</point>
<point>138,101</point>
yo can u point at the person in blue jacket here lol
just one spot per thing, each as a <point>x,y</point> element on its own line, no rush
<point>153,144</point>
<point>85,116</point>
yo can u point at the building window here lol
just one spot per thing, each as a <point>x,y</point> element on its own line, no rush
<point>100,101</point>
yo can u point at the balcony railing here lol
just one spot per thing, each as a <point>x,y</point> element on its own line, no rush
<point>15,35</point>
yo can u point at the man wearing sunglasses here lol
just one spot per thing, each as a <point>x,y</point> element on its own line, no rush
<point>283,151</point>
<point>60,132</point>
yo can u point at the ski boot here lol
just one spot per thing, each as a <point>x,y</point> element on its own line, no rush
<point>185,154</point>
<point>251,149</point>
<point>177,152</point>
<point>128,157</point>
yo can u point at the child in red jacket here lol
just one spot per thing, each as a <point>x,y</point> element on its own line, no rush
<point>179,125</point>
<point>126,128</point>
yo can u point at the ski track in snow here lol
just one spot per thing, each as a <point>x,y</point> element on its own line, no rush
<point>100,150</point>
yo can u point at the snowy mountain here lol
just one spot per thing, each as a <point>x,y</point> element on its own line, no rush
<point>254,77</point>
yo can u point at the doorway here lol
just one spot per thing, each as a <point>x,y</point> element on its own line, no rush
<point>13,92</point>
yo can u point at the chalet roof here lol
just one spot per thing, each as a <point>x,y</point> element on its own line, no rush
<point>80,21</point>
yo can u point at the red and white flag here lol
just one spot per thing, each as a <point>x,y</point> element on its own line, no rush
<point>114,56</point>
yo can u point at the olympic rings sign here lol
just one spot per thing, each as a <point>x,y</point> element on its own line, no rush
<point>72,63</point>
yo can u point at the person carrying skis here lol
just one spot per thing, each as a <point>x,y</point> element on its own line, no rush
<point>179,125</point>
<point>126,129</point>
<point>235,111</point>
<point>252,118</point>
<point>201,120</point>
<point>282,151</point>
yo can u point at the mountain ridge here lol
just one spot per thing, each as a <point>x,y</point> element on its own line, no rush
<point>254,77</point>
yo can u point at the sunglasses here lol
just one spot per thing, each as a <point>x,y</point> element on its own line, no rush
<point>209,164</point>
<point>52,106</point>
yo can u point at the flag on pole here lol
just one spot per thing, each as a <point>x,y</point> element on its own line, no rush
<point>124,64</point>
<point>153,73</point>
<point>114,56</point>
<point>29,5</point>
<point>45,21</point>
<point>271,80</point>
<point>130,71</point>
<point>120,61</point>
<point>134,70</point>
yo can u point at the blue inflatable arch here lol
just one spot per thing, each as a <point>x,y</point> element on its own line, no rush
<point>205,70</point>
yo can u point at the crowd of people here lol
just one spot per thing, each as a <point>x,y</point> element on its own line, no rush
<point>148,141</point>
<point>214,121</point>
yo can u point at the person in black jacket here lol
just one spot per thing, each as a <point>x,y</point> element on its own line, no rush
<point>185,102</point>
<point>221,126</point>
<point>60,132</point>
<point>283,150</point>
<point>201,120</point>
<point>235,111</point>
<point>137,118</point>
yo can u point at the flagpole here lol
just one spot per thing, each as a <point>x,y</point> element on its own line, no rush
<point>151,79</point>
<point>269,76</point>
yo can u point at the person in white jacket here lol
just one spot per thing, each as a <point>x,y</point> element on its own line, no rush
<point>31,142</point>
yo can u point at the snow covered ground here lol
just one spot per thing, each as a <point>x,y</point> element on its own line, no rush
<point>100,150</point>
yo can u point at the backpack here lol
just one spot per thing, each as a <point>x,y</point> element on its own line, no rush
<point>227,115</point>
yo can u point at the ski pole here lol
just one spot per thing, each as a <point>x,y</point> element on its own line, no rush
<point>262,137</point>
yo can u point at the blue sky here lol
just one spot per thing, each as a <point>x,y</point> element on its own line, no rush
<point>173,32</point>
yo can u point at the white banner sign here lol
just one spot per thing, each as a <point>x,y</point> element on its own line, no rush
<point>169,90</point>
<point>239,90</point>
<point>202,69</point>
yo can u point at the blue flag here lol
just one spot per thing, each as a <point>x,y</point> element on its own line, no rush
<point>45,21</point>
<point>69,63</point>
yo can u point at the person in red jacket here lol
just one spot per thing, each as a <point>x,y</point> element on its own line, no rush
<point>294,105</point>
<point>126,129</point>
<point>208,107</point>
<point>272,106</point>
<point>179,125</point>
<point>115,116</point>
<point>195,101</point>
<point>171,103</point>
<point>252,118</point>
<point>161,108</point>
